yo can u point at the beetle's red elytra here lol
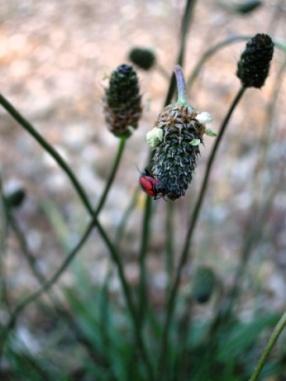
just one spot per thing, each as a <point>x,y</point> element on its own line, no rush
<point>148,184</point>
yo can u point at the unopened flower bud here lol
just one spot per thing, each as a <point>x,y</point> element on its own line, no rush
<point>203,284</point>
<point>142,57</point>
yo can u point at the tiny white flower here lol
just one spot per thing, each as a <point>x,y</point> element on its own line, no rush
<point>154,137</point>
<point>204,117</point>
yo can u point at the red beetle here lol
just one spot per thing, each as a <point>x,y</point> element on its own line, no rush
<point>150,185</point>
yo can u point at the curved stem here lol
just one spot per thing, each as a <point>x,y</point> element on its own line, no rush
<point>213,49</point>
<point>46,286</point>
<point>114,254</point>
<point>192,225</point>
<point>77,186</point>
<point>111,177</point>
<point>280,326</point>
<point>47,147</point>
<point>41,278</point>
<point>209,53</point>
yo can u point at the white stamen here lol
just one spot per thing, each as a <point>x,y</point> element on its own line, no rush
<point>204,117</point>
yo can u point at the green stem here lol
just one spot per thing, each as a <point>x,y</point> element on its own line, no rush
<point>172,85</point>
<point>170,242</point>
<point>130,304</point>
<point>125,217</point>
<point>111,177</point>
<point>192,225</point>
<point>280,326</point>
<point>180,60</point>
<point>185,27</point>
<point>183,40</point>
<point>47,147</point>
<point>4,232</point>
<point>32,262</point>
<point>252,232</point>
<point>28,127</point>
<point>114,254</point>
<point>46,286</point>
<point>143,292</point>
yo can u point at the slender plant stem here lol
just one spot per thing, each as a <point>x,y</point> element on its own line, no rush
<point>192,225</point>
<point>252,232</point>
<point>148,205</point>
<point>209,53</point>
<point>125,217</point>
<point>31,260</point>
<point>164,73</point>
<point>280,326</point>
<point>47,147</point>
<point>143,295</point>
<point>111,177</point>
<point>180,61</point>
<point>268,132</point>
<point>130,304</point>
<point>30,362</point>
<point>213,49</point>
<point>186,21</point>
<point>177,75</point>
<point>69,258</point>
<point>276,17</point>
<point>257,217</point>
<point>196,71</point>
<point>4,231</point>
<point>170,242</point>
<point>113,252</point>
<point>46,286</point>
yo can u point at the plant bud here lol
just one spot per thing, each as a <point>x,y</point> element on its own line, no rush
<point>143,58</point>
<point>203,284</point>
<point>247,6</point>
<point>15,198</point>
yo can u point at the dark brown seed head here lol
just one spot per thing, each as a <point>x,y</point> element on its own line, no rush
<point>253,66</point>
<point>123,101</point>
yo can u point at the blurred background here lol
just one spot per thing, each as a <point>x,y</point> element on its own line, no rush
<point>55,61</point>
